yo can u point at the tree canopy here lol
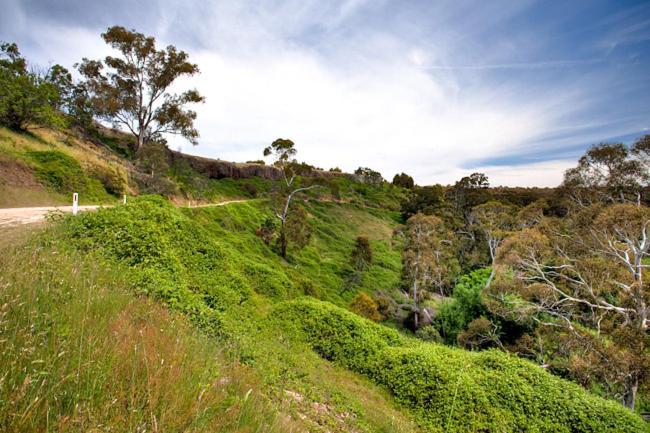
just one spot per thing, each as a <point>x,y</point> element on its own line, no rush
<point>132,89</point>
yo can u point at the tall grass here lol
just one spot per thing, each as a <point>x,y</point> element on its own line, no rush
<point>80,353</point>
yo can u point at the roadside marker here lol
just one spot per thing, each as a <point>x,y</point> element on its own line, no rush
<point>124,198</point>
<point>75,203</point>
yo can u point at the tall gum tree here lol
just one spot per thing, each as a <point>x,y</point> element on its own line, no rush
<point>427,258</point>
<point>284,151</point>
<point>610,173</point>
<point>584,277</point>
<point>495,220</point>
<point>132,90</point>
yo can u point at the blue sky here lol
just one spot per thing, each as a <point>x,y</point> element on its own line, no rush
<point>438,89</point>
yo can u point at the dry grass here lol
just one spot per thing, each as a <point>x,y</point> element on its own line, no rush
<point>80,353</point>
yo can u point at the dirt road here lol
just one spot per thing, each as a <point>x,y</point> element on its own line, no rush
<point>28,215</point>
<point>221,203</point>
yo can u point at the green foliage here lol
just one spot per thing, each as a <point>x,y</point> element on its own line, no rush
<point>361,257</point>
<point>365,306</point>
<point>403,180</point>
<point>153,158</point>
<point>268,230</point>
<point>80,353</point>
<point>26,97</point>
<point>424,199</point>
<point>113,178</point>
<point>122,144</point>
<point>64,174</point>
<point>171,257</point>
<point>297,229</point>
<point>465,305</point>
<point>428,333</point>
<point>59,171</point>
<point>452,390</point>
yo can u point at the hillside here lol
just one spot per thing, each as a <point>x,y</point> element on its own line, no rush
<point>45,166</point>
<point>152,316</point>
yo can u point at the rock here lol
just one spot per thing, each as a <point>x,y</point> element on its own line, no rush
<point>218,169</point>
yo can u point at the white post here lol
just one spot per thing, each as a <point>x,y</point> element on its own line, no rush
<point>75,203</point>
<point>124,198</point>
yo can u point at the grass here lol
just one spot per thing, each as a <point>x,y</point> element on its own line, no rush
<point>208,264</point>
<point>93,293</point>
<point>16,196</point>
<point>46,166</point>
<point>81,353</point>
<point>316,269</point>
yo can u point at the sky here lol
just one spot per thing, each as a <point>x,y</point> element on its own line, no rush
<point>437,89</point>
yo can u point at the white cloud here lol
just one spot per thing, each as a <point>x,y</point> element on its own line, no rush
<point>542,174</point>
<point>382,111</point>
<point>369,83</point>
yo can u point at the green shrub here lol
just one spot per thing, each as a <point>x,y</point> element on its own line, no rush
<point>113,178</point>
<point>58,171</point>
<point>365,306</point>
<point>465,305</point>
<point>450,389</point>
<point>429,333</point>
<point>170,257</point>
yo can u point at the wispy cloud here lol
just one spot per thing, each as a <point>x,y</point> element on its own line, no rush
<point>433,89</point>
<point>525,65</point>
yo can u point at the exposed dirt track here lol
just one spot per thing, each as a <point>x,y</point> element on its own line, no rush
<point>29,215</point>
<point>221,203</point>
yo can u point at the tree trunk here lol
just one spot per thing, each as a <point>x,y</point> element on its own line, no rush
<point>140,140</point>
<point>629,395</point>
<point>489,280</point>
<point>283,242</point>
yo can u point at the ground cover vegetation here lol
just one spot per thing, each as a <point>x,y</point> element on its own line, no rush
<point>319,300</point>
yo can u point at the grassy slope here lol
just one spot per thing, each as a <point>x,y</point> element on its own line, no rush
<point>211,267</point>
<point>81,353</point>
<point>293,379</point>
<point>208,264</point>
<point>315,270</point>
<point>21,183</point>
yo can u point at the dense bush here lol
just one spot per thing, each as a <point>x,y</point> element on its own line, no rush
<point>26,97</point>
<point>58,170</point>
<point>429,333</point>
<point>145,236</point>
<point>154,184</point>
<point>453,390</point>
<point>113,178</point>
<point>365,306</point>
<point>465,305</point>
<point>174,259</point>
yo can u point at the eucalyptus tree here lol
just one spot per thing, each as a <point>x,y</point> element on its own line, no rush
<point>583,277</point>
<point>428,259</point>
<point>132,90</point>
<point>292,224</point>
<point>610,173</point>
<point>495,220</point>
